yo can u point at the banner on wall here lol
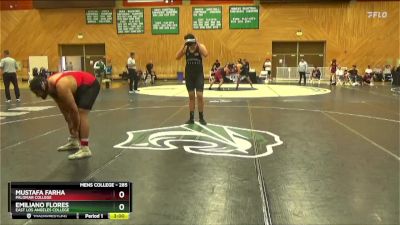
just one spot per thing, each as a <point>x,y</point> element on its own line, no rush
<point>99,16</point>
<point>141,1</point>
<point>130,21</point>
<point>165,20</point>
<point>207,18</point>
<point>243,17</point>
<point>135,3</point>
<point>219,2</point>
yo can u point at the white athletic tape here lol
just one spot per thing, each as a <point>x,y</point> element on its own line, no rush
<point>190,41</point>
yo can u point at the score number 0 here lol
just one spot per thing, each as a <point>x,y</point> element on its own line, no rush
<point>121,194</point>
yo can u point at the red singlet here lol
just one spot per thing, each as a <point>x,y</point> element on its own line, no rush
<point>81,78</point>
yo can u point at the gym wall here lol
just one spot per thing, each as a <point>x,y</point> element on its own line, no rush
<point>351,36</point>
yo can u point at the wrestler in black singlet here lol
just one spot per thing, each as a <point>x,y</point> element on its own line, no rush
<point>194,75</point>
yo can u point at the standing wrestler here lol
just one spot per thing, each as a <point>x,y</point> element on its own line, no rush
<point>75,93</point>
<point>219,75</point>
<point>215,66</point>
<point>194,75</point>
<point>243,72</point>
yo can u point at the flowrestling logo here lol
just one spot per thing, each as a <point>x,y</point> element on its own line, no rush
<point>212,140</point>
<point>379,15</point>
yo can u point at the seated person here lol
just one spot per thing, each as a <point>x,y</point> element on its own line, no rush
<point>43,72</point>
<point>339,75</point>
<point>377,74</point>
<point>109,70</point>
<point>368,70</point>
<point>108,76</point>
<point>367,78</point>
<point>346,76</point>
<point>99,68</point>
<point>35,72</point>
<point>387,73</point>
<point>124,75</point>
<point>140,74</point>
<point>315,74</point>
<point>355,79</point>
<point>150,71</point>
<point>219,75</point>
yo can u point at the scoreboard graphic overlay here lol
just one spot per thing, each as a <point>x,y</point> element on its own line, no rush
<point>70,200</point>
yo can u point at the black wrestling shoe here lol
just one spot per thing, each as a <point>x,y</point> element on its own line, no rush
<point>190,121</point>
<point>202,122</point>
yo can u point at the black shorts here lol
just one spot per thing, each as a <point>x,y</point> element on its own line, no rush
<point>86,95</point>
<point>132,73</point>
<point>194,81</point>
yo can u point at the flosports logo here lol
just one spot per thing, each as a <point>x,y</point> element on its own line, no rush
<point>214,140</point>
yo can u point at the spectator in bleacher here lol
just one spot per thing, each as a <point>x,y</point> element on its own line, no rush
<point>302,70</point>
<point>332,69</point>
<point>387,73</point>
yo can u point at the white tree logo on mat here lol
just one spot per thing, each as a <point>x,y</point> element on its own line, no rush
<point>214,140</point>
